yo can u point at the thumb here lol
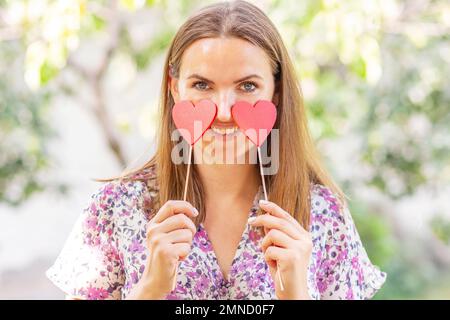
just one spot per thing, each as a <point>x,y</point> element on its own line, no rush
<point>272,266</point>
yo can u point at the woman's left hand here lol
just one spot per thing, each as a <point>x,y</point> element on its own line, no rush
<point>286,246</point>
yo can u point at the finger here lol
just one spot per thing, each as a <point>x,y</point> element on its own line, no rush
<point>272,222</point>
<point>161,245</point>
<point>172,207</point>
<point>277,238</point>
<point>275,210</point>
<point>179,236</point>
<point>177,221</point>
<point>274,254</point>
<point>181,250</point>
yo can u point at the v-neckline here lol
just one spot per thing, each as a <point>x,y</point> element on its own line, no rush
<point>240,245</point>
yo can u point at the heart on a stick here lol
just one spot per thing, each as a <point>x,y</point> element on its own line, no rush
<point>192,120</point>
<point>256,121</point>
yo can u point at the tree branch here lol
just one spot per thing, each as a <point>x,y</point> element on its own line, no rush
<point>95,79</point>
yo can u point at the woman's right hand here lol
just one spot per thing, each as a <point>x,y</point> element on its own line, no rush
<point>169,238</point>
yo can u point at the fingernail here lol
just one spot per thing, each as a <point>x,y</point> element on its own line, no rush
<point>263,202</point>
<point>196,213</point>
<point>251,220</point>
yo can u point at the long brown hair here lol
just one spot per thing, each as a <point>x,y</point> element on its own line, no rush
<point>300,164</point>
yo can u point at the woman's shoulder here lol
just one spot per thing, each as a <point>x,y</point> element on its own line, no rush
<point>123,194</point>
<point>326,205</point>
<point>339,250</point>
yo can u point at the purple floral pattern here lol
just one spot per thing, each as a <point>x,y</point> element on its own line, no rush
<point>105,254</point>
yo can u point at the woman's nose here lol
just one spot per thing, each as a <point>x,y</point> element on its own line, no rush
<point>224,109</point>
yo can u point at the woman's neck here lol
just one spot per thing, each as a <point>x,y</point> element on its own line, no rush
<point>226,184</point>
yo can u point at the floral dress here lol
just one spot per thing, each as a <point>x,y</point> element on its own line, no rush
<point>105,253</point>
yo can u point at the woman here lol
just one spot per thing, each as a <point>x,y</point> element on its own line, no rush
<point>136,231</point>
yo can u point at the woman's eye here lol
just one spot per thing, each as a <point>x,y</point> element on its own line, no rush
<point>246,86</point>
<point>249,86</point>
<point>200,85</point>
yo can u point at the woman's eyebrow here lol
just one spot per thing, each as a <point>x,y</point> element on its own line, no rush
<point>194,75</point>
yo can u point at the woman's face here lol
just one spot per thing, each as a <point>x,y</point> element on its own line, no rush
<point>224,70</point>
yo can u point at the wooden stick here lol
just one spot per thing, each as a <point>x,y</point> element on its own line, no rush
<point>187,173</point>
<point>262,174</point>
<point>265,197</point>
<point>184,199</point>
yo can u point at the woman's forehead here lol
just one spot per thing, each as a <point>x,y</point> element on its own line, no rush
<point>229,56</point>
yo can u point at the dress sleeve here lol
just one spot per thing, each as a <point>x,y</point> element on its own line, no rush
<point>346,271</point>
<point>89,266</point>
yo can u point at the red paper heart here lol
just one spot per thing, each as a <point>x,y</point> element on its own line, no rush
<point>192,120</point>
<point>256,121</point>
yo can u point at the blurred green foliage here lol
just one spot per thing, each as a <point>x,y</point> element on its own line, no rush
<point>441,228</point>
<point>24,132</point>
<point>374,70</point>
<point>22,152</point>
